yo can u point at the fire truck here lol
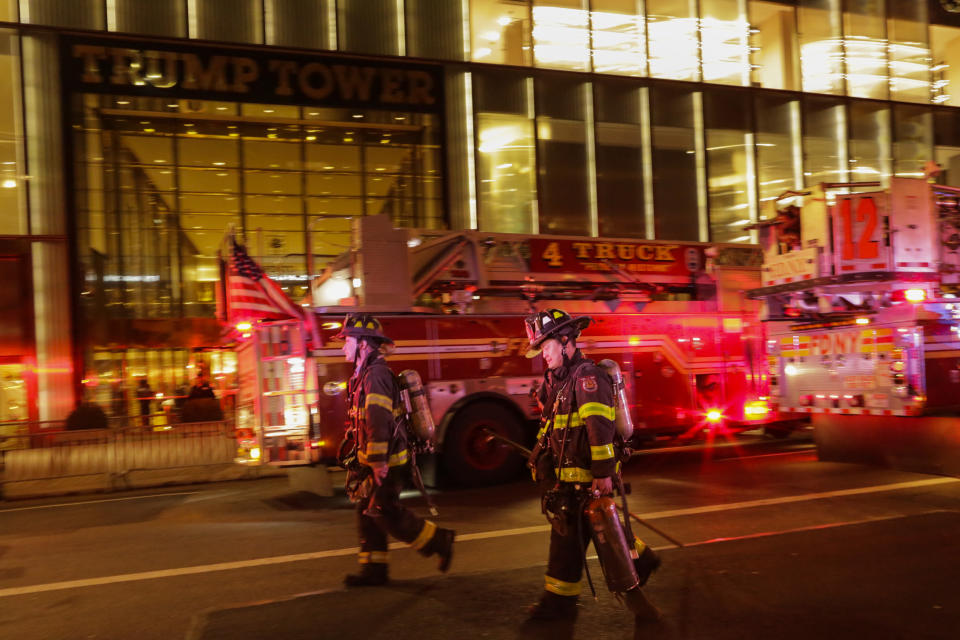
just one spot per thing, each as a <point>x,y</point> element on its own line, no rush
<point>860,287</point>
<point>674,316</point>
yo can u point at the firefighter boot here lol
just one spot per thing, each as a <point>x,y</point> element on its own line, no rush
<point>642,609</point>
<point>441,544</point>
<point>372,574</point>
<point>646,564</point>
<point>554,607</point>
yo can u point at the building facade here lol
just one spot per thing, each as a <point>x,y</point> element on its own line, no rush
<point>136,133</point>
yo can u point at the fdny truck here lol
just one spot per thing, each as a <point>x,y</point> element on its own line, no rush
<point>860,285</point>
<point>674,316</point>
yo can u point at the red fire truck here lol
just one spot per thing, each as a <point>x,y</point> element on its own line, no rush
<point>860,291</point>
<point>673,316</point>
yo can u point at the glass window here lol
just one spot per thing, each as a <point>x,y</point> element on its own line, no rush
<point>435,29</point>
<point>774,29</point>
<point>824,141</point>
<point>725,42</point>
<point>945,72</point>
<point>374,26</point>
<point>561,39</point>
<point>731,176</point>
<point>910,63</point>
<point>79,14</point>
<point>947,151</point>
<point>675,194</point>
<point>228,20</point>
<point>153,17</point>
<point>618,37</point>
<point>310,24</point>
<point>821,46</point>
<point>506,158</point>
<point>672,39</point>
<point>8,10</point>
<point>562,161</point>
<point>500,31</point>
<point>778,147</point>
<point>869,142</point>
<point>619,160</point>
<point>12,186</point>
<point>912,140</point>
<point>865,43</point>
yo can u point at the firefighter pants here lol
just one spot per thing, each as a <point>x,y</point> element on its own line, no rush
<point>565,562</point>
<point>384,514</point>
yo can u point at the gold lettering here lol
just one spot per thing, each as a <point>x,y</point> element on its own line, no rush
<point>582,249</point>
<point>311,91</point>
<point>245,71</point>
<point>126,67</point>
<point>214,77</point>
<point>665,252</point>
<point>420,88</point>
<point>161,79</point>
<point>283,68</point>
<point>625,251</point>
<point>391,90</point>
<point>354,82</point>
<point>604,251</point>
<point>645,252</point>
<point>91,55</point>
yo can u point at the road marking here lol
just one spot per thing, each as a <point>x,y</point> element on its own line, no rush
<point>70,504</point>
<point>500,533</point>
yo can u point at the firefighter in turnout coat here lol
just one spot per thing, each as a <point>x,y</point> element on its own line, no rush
<point>575,456</point>
<point>376,456</point>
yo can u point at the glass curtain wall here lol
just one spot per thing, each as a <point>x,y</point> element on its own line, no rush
<point>506,155</point>
<point>673,39</point>
<point>824,140</point>
<point>945,72</point>
<point>912,140</point>
<point>725,41</point>
<point>869,142</point>
<point>773,26</point>
<point>731,172</point>
<point>435,29</point>
<point>563,159</point>
<point>946,132</point>
<point>865,48</point>
<point>618,37</point>
<point>674,154</point>
<point>561,35</point>
<point>821,46</point>
<point>500,32</point>
<point>779,161</point>
<point>310,24</point>
<point>619,159</point>
<point>910,63</point>
<point>373,26</point>
<point>12,184</point>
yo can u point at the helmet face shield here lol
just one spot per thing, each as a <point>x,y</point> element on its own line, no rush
<point>551,323</point>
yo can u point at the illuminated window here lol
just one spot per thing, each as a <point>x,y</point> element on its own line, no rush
<point>672,39</point>
<point>824,140</point>
<point>618,37</point>
<point>774,28</point>
<point>912,140</point>
<point>865,49</point>
<point>724,42</point>
<point>500,32</point>
<point>945,42</point>
<point>560,36</point>
<point>731,173</point>
<point>910,58</point>
<point>869,142</point>
<point>779,153</point>
<point>947,151</point>
<point>619,160</point>
<point>821,46</point>
<point>12,185</point>
<point>672,114</point>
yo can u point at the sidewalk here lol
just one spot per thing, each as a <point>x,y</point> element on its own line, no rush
<point>857,581</point>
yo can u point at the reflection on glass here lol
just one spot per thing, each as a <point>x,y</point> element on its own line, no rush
<point>774,28</point>
<point>947,151</point>
<point>560,36</point>
<point>945,42</point>
<point>778,148</point>
<point>865,46</point>
<point>500,32</point>
<point>821,46</point>
<point>910,64</point>
<point>673,39</point>
<point>618,37</point>
<point>724,42</point>
<point>824,141</point>
<point>12,187</point>
<point>730,166</point>
<point>869,142</point>
<point>505,162</point>
<point>619,160</point>
<point>674,164</point>
<point>912,140</point>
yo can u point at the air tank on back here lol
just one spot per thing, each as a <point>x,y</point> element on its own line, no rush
<point>623,420</point>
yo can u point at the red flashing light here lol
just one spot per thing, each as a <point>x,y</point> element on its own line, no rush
<point>714,415</point>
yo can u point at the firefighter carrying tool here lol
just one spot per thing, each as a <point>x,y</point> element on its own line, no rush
<point>577,461</point>
<point>376,454</point>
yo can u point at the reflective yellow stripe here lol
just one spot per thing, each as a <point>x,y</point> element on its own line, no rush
<point>564,420</point>
<point>374,448</point>
<point>574,474</point>
<point>426,534</point>
<point>366,557</point>
<point>543,429</point>
<point>603,452</point>
<point>399,458</point>
<point>379,400</point>
<point>560,587</point>
<point>597,409</point>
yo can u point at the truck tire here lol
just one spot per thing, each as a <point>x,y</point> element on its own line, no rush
<point>471,458</point>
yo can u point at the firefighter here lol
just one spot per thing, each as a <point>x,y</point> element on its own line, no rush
<point>575,459</point>
<point>376,457</point>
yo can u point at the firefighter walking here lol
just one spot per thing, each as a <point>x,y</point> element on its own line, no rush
<point>377,457</point>
<point>576,462</point>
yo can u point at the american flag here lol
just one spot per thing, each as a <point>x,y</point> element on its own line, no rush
<point>251,294</point>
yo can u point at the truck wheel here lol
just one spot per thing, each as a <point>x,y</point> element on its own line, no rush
<point>471,458</point>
